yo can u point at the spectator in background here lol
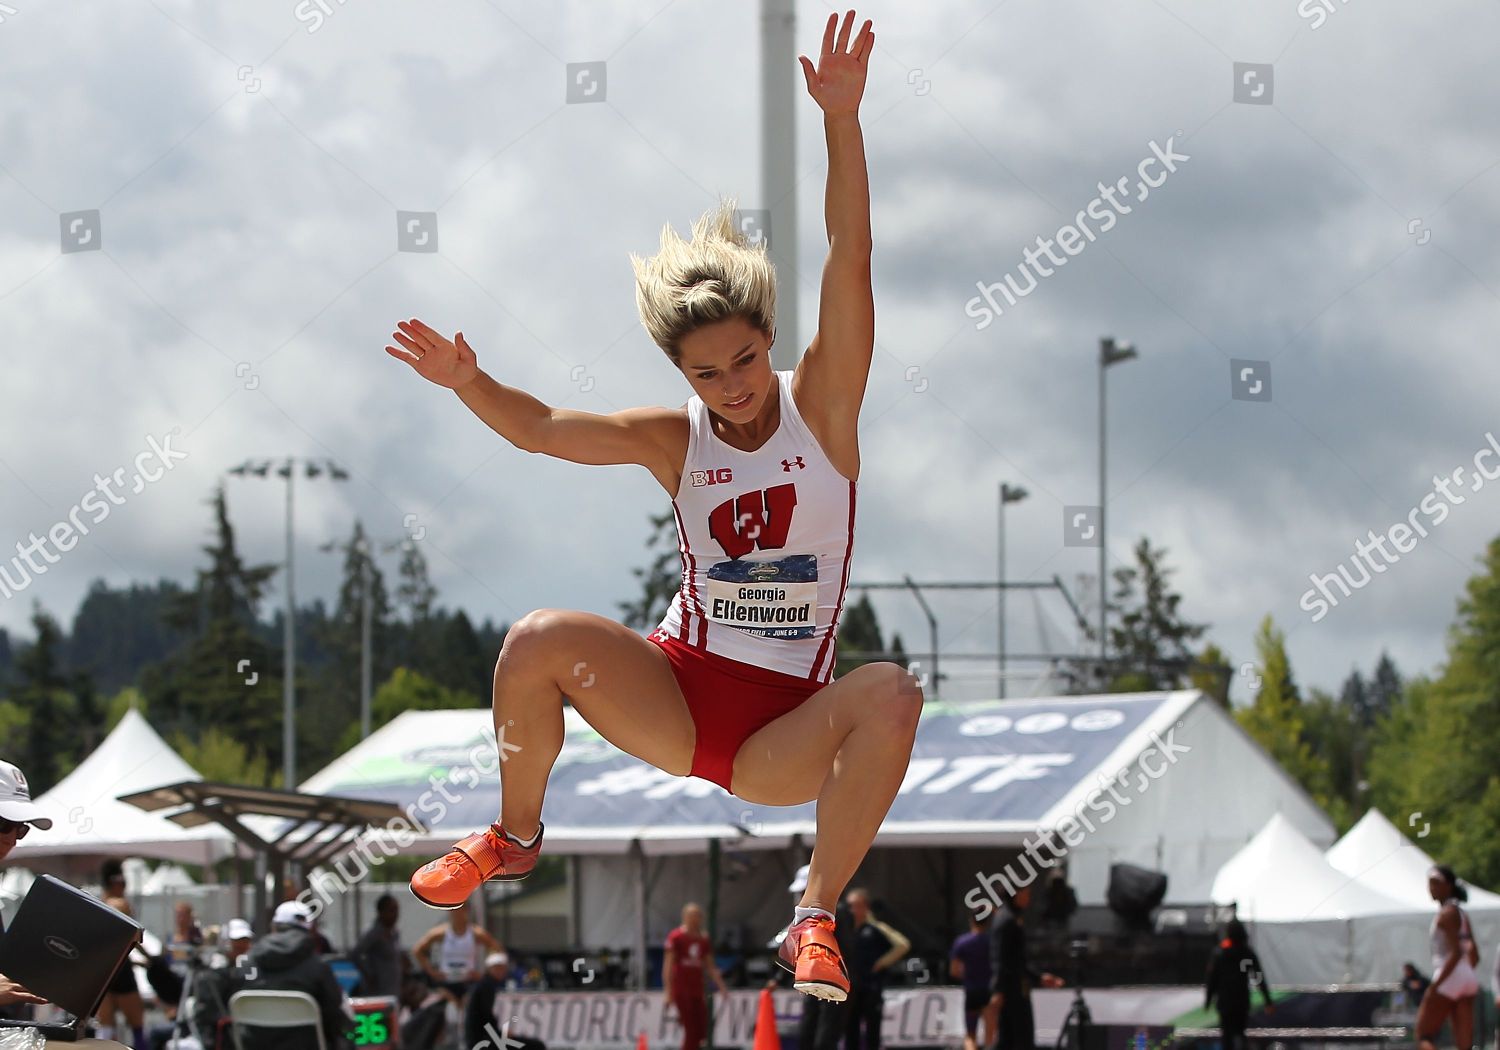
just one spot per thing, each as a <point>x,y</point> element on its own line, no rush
<point>183,942</point>
<point>823,1021</point>
<point>1060,901</point>
<point>424,1014</point>
<point>213,984</point>
<point>1231,968</point>
<point>1011,975</point>
<point>877,947</point>
<point>1413,985</point>
<point>460,947</point>
<point>969,962</point>
<point>123,996</point>
<point>286,960</point>
<point>18,815</point>
<point>482,1020</point>
<point>689,953</point>
<point>378,954</point>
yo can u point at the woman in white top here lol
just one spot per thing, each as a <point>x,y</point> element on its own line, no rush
<point>1454,956</point>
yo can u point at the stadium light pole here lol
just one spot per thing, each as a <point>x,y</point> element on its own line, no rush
<point>1110,353</point>
<point>311,469</point>
<point>1008,494</point>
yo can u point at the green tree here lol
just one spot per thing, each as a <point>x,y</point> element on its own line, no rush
<point>1434,753</point>
<point>225,676</point>
<point>406,690</point>
<point>1149,640</point>
<point>1211,673</point>
<point>659,580</point>
<point>323,716</point>
<point>1276,718</point>
<point>217,755</point>
<point>859,631</point>
<point>42,696</point>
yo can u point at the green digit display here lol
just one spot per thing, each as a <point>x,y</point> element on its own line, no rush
<point>370,1029</point>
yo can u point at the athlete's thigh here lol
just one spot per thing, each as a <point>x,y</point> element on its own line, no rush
<point>1431,1014</point>
<point>621,683</point>
<point>785,762</point>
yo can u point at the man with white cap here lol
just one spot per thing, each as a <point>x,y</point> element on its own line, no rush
<point>18,815</point>
<point>482,1022</point>
<point>285,961</point>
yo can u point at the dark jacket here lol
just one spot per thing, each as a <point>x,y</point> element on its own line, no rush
<point>1010,970</point>
<point>1231,968</point>
<point>286,961</point>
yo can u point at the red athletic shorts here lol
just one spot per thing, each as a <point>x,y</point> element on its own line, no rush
<point>728,700</point>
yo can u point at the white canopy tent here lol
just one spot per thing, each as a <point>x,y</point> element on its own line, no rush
<point>89,819</point>
<point>1310,922</point>
<point>1375,853</point>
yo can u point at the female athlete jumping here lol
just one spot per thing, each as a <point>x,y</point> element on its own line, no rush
<point>736,683</point>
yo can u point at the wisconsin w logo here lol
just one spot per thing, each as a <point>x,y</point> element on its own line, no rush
<point>754,519</point>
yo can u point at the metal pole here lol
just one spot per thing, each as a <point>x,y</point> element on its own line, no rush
<point>778,175</point>
<point>289,655</point>
<point>1104,345</point>
<point>638,964</point>
<point>932,633</point>
<point>1000,561</point>
<point>364,642</point>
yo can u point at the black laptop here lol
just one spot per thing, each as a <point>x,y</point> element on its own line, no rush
<point>64,946</point>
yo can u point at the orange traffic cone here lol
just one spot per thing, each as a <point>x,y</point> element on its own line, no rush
<point>766,1037</point>
<point>640,1041</point>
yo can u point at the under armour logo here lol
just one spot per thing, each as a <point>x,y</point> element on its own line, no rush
<point>786,465</point>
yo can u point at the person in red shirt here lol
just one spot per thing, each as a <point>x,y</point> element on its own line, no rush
<point>689,954</point>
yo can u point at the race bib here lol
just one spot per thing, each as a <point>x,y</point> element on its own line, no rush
<point>773,599</point>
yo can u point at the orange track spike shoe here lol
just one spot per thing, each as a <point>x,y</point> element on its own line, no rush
<point>811,952</point>
<point>485,856</point>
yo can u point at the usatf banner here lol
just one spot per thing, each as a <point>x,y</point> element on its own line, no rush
<point>614,1020</point>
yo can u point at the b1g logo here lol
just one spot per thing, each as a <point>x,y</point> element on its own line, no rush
<point>754,519</point>
<point>718,476</point>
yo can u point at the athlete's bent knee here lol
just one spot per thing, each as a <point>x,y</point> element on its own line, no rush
<point>897,695</point>
<point>525,635</point>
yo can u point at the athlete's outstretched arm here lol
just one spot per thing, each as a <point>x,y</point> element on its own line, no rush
<point>837,363</point>
<point>635,435</point>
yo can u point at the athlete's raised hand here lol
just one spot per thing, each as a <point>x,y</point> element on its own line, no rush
<point>449,363</point>
<point>839,80</point>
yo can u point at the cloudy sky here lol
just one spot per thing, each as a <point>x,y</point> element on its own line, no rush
<point>234,274</point>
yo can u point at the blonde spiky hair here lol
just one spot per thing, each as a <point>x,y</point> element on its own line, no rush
<point>716,276</point>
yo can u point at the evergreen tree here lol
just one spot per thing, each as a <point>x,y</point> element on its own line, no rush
<point>1354,695</point>
<point>7,659</point>
<point>1333,734</point>
<point>50,734</point>
<point>1211,673</point>
<point>859,631</point>
<point>1149,640</point>
<point>225,676</point>
<point>335,703</point>
<point>116,633</point>
<point>660,580</point>
<point>1385,687</point>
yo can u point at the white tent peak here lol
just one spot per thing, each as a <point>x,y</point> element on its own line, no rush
<point>90,819</point>
<point>1281,876</point>
<point>1378,854</point>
